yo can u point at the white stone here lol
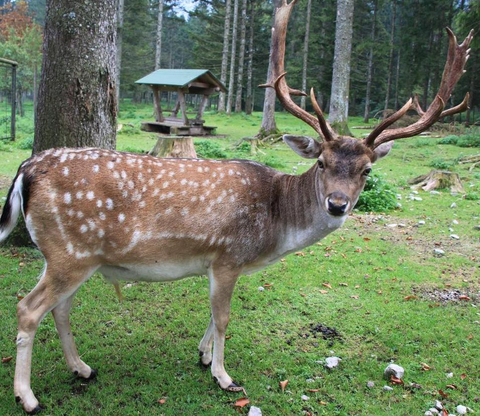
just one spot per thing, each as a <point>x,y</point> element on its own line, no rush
<point>461,410</point>
<point>454,205</point>
<point>254,411</point>
<point>394,370</point>
<point>454,236</point>
<point>449,375</point>
<point>434,193</point>
<point>421,222</point>
<point>305,397</point>
<point>261,289</point>
<point>455,222</point>
<point>434,411</point>
<point>332,362</point>
<point>387,388</point>
<point>428,413</point>
<point>392,225</point>
<point>370,384</point>
<point>438,405</point>
<point>438,252</point>
<point>417,198</point>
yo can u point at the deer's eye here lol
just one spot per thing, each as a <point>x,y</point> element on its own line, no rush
<point>321,165</point>
<point>366,172</point>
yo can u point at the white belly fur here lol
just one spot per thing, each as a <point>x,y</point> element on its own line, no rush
<point>158,272</point>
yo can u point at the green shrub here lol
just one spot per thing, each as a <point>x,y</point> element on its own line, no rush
<point>449,140</point>
<point>4,147</point>
<point>244,147</point>
<point>472,196</point>
<point>469,140</point>
<point>209,150</point>
<point>26,144</point>
<point>377,196</point>
<point>442,164</point>
<point>270,160</point>
<point>131,149</point>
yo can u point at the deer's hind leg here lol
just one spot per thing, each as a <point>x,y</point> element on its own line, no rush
<point>62,321</point>
<point>205,347</point>
<point>55,287</point>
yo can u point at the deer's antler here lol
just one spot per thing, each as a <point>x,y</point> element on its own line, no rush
<point>454,68</point>
<point>278,82</point>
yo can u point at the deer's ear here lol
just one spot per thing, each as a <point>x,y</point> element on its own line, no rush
<point>383,150</point>
<point>304,146</point>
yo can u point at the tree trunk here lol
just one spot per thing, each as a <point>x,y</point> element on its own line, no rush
<point>119,45</point>
<point>158,45</point>
<point>397,78</point>
<point>35,86</point>
<point>77,102</point>
<point>338,115</point>
<point>232,59</point>
<point>249,98</point>
<point>390,57</point>
<point>226,42</point>
<point>366,116</point>
<point>473,71</point>
<point>241,58</point>
<point>269,125</point>
<point>303,101</point>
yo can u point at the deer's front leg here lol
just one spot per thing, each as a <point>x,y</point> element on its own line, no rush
<point>205,347</point>
<point>222,282</point>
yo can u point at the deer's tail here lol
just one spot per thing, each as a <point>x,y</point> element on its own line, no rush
<point>12,207</point>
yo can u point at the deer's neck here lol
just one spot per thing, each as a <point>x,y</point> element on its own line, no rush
<point>299,216</point>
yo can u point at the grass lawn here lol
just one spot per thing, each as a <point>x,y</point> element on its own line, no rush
<point>381,287</point>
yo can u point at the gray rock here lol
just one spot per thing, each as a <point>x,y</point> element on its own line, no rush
<point>401,225</point>
<point>392,225</point>
<point>421,222</point>
<point>415,192</point>
<point>417,198</point>
<point>370,384</point>
<point>261,289</point>
<point>310,380</point>
<point>449,375</point>
<point>450,229</point>
<point>461,410</point>
<point>438,252</point>
<point>455,222</point>
<point>332,362</point>
<point>394,370</point>
<point>428,413</point>
<point>454,205</point>
<point>438,404</point>
<point>434,411</point>
<point>434,193</point>
<point>387,388</point>
<point>454,236</point>
<point>254,411</point>
<point>305,397</point>
<point>477,227</point>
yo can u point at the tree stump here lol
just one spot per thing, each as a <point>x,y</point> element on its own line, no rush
<point>438,179</point>
<point>174,147</point>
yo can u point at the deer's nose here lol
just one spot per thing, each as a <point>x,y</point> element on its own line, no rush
<point>337,204</point>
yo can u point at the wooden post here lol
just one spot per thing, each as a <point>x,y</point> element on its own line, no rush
<point>157,103</point>
<point>176,108</point>
<point>183,106</point>
<point>201,108</point>
<point>14,102</point>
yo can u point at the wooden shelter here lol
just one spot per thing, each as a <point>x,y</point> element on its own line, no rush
<point>181,81</point>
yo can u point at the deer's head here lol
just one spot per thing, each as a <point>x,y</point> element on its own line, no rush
<point>344,163</point>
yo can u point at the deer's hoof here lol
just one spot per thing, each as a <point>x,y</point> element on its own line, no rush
<point>35,411</point>
<point>93,375</point>
<point>234,387</point>
<point>204,366</point>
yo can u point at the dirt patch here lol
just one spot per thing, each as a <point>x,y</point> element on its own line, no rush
<point>449,295</point>
<point>5,182</point>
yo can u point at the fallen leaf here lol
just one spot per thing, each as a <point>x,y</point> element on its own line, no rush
<point>327,285</point>
<point>241,402</point>
<point>470,336</point>
<point>283,385</point>
<point>366,239</point>
<point>282,260</point>
<point>441,393</point>
<point>425,367</point>
<point>300,253</point>
<point>161,401</point>
<point>228,337</point>
<point>410,297</point>
<point>6,359</point>
<point>444,412</point>
<point>313,390</point>
<point>451,387</point>
<point>323,292</point>
<point>354,296</point>
<point>343,284</point>
<point>323,403</point>
<point>343,255</point>
<point>463,376</point>
<point>358,250</point>
<point>21,264</point>
<point>267,285</point>
<point>303,295</point>
<point>20,297</point>
<point>395,380</point>
<point>379,292</point>
<point>409,238</point>
<point>463,297</point>
<point>357,286</point>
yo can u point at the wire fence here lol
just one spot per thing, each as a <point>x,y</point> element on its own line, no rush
<point>7,99</point>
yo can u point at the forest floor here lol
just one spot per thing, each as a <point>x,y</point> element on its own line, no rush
<point>372,293</point>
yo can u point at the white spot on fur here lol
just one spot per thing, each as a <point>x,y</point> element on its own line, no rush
<point>183,181</point>
<point>102,216</point>
<point>99,203</point>
<point>168,211</point>
<point>63,158</point>
<point>110,165</point>
<point>230,172</point>
<point>165,184</point>
<point>65,171</point>
<point>83,228</point>
<point>81,255</point>
<point>69,248</point>
<point>184,211</point>
<point>123,174</point>
<point>90,195</point>
<point>100,233</point>
<point>131,185</point>
<point>121,217</point>
<point>79,195</point>
<point>80,214</point>
<point>96,168</point>
<point>142,204</point>
<point>109,204</point>
<point>120,185</point>
<point>67,198</point>
<point>91,224</point>
<point>116,175</point>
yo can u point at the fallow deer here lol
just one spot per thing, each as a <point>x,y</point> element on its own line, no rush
<point>137,217</point>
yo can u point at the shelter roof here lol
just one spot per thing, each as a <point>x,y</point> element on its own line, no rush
<point>182,79</point>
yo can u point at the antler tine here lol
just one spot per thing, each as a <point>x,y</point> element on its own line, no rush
<point>458,108</point>
<point>370,139</point>
<point>327,131</point>
<point>278,82</point>
<point>454,68</point>
<point>416,106</point>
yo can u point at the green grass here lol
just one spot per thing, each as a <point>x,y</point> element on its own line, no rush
<point>146,347</point>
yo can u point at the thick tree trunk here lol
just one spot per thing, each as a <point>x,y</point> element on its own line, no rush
<point>303,101</point>
<point>390,57</point>
<point>397,78</point>
<point>77,102</point>
<point>158,44</point>
<point>249,98</point>
<point>338,114</point>
<point>226,43</point>
<point>119,44</point>
<point>269,125</point>
<point>473,71</point>
<point>241,58</point>
<point>366,115</point>
<point>232,59</point>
